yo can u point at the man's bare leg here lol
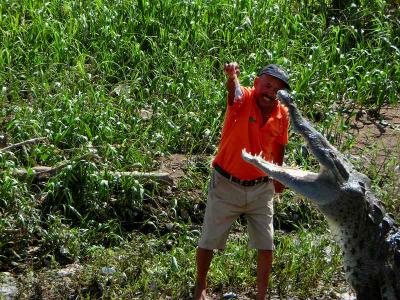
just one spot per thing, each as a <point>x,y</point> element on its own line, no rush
<point>264,263</point>
<point>203,260</point>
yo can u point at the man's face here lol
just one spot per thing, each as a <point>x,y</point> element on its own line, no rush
<point>266,87</point>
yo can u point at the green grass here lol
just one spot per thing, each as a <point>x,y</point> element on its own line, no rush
<point>117,85</point>
<point>150,266</point>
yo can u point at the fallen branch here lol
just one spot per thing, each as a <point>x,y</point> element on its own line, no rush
<point>42,172</point>
<point>158,176</point>
<point>27,142</point>
<point>45,172</point>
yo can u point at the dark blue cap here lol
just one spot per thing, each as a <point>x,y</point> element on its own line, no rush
<point>277,72</point>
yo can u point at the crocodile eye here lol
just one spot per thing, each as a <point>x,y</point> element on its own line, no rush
<point>362,185</point>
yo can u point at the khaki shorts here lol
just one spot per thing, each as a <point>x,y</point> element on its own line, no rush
<point>227,201</point>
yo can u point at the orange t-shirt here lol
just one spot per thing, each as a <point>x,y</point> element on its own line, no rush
<point>242,129</point>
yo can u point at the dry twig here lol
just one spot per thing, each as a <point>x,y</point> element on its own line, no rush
<point>27,142</point>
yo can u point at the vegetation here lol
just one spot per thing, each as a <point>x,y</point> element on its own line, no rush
<point>121,85</point>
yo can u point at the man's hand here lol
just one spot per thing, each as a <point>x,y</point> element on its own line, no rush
<point>232,70</point>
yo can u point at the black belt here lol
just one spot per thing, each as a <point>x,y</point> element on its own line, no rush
<point>239,181</point>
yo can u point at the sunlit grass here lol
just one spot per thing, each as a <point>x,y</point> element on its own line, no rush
<point>151,267</point>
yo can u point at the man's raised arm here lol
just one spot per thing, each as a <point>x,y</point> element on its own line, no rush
<point>232,71</point>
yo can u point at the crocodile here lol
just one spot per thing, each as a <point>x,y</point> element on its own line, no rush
<point>368,237</point>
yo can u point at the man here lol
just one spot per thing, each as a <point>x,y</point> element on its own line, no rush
<point>254,120</point>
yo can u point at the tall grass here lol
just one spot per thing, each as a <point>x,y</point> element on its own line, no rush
<point>116,85</point>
